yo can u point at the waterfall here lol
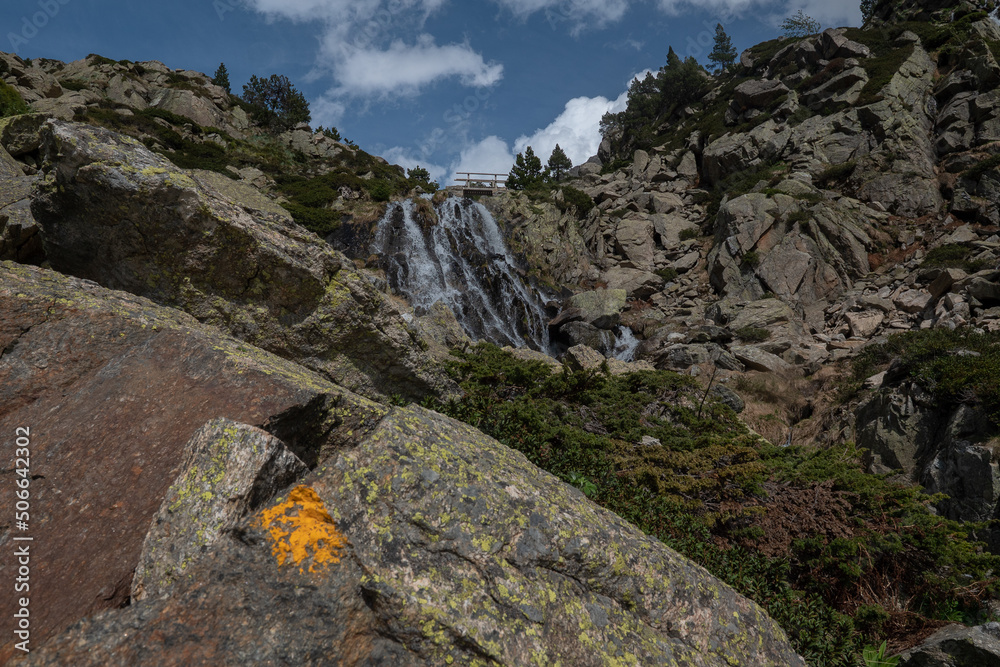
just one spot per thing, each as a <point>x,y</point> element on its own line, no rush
<point>462,261</point>
<point>625,345</point>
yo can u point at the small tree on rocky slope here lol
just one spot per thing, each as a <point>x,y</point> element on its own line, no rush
<point>221,78</point>
<point>800,25</point>
<point>724,53</point>
<point>526,172</point>
<point>559,162</point>
<point>278,104</point>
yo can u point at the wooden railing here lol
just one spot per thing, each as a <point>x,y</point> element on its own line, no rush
<point>476,183</point>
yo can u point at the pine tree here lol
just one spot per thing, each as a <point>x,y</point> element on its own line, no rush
<point>559,162</point>
<point>221,78</point>
<point>277,103</point>
<point>867,11</point>
<point>526,172</point>
<point>724,53</point>
<point>800,25</point>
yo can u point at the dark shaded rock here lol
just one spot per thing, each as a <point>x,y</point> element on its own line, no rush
<point>112,387</point>
<point>19,237</point>
<point>729,397</point>
<point>758,93</point>
<point>581,333</point>
<point>957,646</point>
<point>120,215</point>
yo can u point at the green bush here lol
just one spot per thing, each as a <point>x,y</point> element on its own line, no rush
<point>752,259</point>
<point>73,84</point>
<point>379,190</point>
<point>668,274</point>
<point>11,102</point>
<point>954,256</point>
<point>322,221</point>
<point>742,182</point>
<point>880,71</point>
<point>835,173</point>
<point>976,171</point>
<point>955,366</point>
<point>577,199</point>
<point>689,233</point>
<point>752,334</point>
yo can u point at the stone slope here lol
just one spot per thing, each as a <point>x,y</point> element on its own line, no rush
<point>824,169</point>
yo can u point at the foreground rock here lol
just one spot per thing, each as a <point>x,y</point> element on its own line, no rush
<point>112,386</point>
<point>453,550</point>
<point>120,215</point>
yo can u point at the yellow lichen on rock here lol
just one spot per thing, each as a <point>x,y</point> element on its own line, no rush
<point>301,528</point>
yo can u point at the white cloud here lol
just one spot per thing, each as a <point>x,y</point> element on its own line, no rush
<point>491,155</point>
<point>347,14</point>
<point>576,129</point>
<point>326,111</point>
<point>581,14</point>
<point>831,13</point>
<point>404,69</point>
<point>356,50</point>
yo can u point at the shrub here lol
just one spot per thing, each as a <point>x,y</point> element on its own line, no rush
<point>752,259</point>
<point>275,103</point>
<point>668,274</point>
<point>954,256</point>
<point>379,190</point>
<point>689,233</point>
<point>835,173</point>
<point>752,334</point>
<point>73,84</point>
<point>880,71</point>
<point>577,199</point>
<point>976,171</point>
<point>955,366</point>
<point>11,102</point>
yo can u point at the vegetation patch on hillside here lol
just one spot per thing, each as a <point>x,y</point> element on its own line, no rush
<point>11,102</point>
<point>954,256</point>
<point>960,366</point>
<point>839,558</point>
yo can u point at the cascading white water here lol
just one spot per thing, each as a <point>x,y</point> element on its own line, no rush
<point>625,345</point>
<point>462,261</point>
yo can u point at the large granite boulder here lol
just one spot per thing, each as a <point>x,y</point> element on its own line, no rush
<point>430,544</point>
<point>904,428</point>
<point>19,237</point>
<point>114,212</point>
<point>112,388</point>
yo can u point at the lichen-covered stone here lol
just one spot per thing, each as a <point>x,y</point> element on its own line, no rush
<point>456,550</point>
<point>229,470</point>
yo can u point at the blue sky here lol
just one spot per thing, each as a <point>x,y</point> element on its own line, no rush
<point>452,86</point>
